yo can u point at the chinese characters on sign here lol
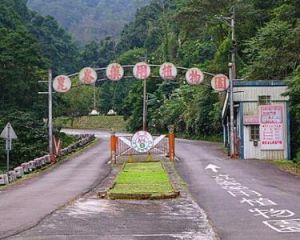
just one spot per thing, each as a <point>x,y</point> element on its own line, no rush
<point>271,136</point>
<point>194,76</point>
<point>114,72</point>
<point>141,71</point>
<point>271,114</point>
<point>87,76</point>
<point>62,84</point>
<point>271,127</point>
<point>276,218</point>
<point>220,82</point>
<point>168,71</point>
<point>251,120</point>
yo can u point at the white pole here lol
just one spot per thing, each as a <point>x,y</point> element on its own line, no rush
<point>8,144</point>
<point>50,124</point>
<point>145,106</point>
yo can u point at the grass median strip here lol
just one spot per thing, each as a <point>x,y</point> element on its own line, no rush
<point>147,180</point>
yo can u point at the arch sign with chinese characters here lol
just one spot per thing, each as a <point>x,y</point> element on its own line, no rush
<point>142,70</point>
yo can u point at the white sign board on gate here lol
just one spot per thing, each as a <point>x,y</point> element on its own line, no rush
<point>114,72</point>
<point>87,75</point>
<point>271,127</point>
<point>142,142</point>
<point>220,82</point>
<point>62,84</point>
<point>194,76</point>
<point>168,71</point>
<point>141,71</point>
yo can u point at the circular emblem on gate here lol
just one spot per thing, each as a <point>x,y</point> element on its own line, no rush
<point>114,72</point>
<point>62,84</point>
<point>142,141</point>
<point>141,71</point>
<point>194,76</point>
<point>88,76</point>
<point>220,82</point>
<point>168,71</point>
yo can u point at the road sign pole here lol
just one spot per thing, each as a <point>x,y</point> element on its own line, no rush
<point>8,147</point>
<point>8,134</point>
<point>7,160</point>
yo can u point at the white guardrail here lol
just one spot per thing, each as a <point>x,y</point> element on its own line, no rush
<point>40,162</point>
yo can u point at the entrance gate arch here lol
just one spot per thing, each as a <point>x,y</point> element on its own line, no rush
<point>121,145</point>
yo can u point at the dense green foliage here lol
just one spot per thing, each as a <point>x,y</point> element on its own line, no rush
<point>29,44</point>
<point>90,20</point>
<point>185,32</point>
<point>189,33</point>
<point>32,137</point>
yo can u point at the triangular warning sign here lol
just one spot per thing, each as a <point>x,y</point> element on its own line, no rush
<point>8,132</point>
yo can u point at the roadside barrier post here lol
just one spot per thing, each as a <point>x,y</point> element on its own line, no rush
<point>113,146</point>
<point>171,143</point>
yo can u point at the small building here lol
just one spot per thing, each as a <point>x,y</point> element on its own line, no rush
<point>261,119</point>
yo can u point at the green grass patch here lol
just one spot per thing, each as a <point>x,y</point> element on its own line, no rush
<point>288,166</point>
<point>142,180</point>
<point>111,123</point>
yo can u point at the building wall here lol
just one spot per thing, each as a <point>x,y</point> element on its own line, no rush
<point>245,94</point>
<point>255,152</point>
<point>245,97</point>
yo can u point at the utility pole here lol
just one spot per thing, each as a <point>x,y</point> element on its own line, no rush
<point>232,76</point>
<point>233,42</point>
<point>230,21</point>
<point>50,124</point>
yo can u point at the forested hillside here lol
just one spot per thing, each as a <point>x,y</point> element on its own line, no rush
<point>190,33</point>
<point>90,20</point>
<point>29,45</point>
<point>185,32</point>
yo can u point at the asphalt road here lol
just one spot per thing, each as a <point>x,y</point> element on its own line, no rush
<point>24,205</point>
<point>244,199</point>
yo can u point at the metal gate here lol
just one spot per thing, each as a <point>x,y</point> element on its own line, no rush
<point>121,146</point>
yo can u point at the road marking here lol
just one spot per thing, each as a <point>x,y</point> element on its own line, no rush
<point>212,167</point>
<point>284,226</point>
<point>258,204</point>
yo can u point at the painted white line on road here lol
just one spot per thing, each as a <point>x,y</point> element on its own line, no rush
<point>212,167</point>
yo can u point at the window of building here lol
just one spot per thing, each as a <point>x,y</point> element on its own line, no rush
<point>254,133</point>
<point>264,100</point>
